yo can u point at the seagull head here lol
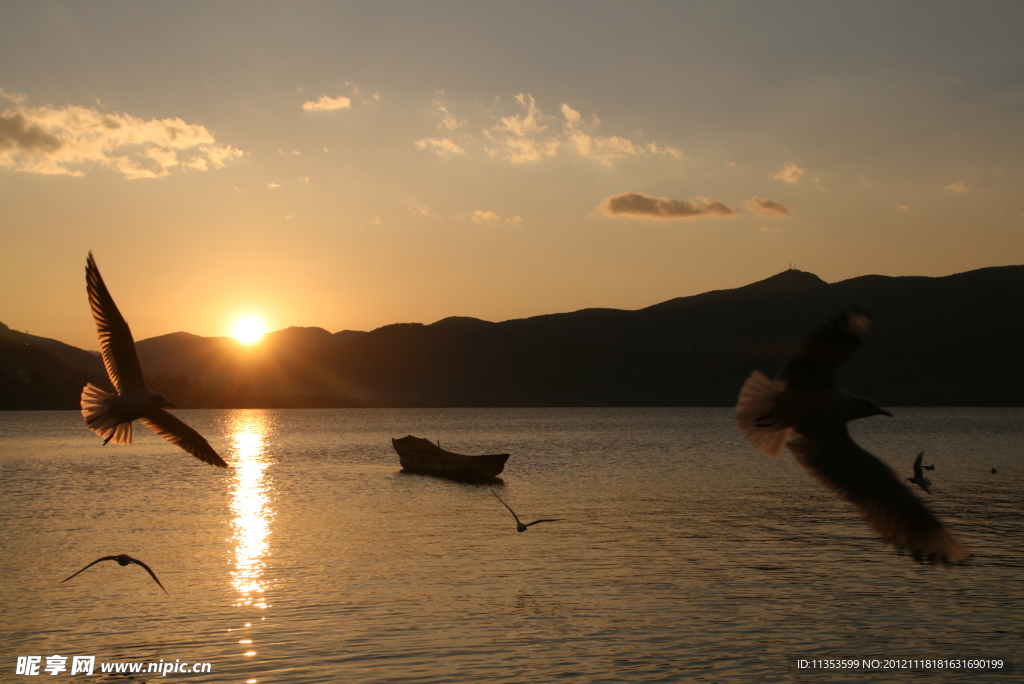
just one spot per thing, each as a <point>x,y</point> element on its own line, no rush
<point>160,400</point>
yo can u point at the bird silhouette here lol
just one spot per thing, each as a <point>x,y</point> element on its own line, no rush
<point>919,479</point>
<point>806,401</point>
<point>122,560</point>
<point>110,415</point>
<point>520,527</point>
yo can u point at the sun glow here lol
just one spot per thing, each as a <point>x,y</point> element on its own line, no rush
<point>249,330</point>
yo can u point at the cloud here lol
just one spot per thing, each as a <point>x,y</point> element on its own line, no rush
<point>304,179</point>
<point>604,150</point>
<point>531,136</point>
<point>770,231</point>
<point>959,186</point>
<point>327,104</point>
<point>902,207</point>
<point>449,122</point>
<point>522,138</point>
<point>17,133</point>
<point>419,209</point>
<point>444,147</point>
<point>273,186</point>
<point>791,173</point>
<point>373,97</point>
<point>646,206</point>
<point>73,139</point>
<point>480,216</point>
<point>768,208</point>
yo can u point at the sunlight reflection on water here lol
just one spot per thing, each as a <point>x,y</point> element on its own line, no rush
<point>250,503</point>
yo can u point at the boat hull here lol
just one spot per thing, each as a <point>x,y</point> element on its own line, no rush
<point>423,456</point>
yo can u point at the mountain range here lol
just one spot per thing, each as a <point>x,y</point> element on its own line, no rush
<point>956,340</point>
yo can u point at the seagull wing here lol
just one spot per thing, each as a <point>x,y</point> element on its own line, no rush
<point>544,520</point>
<point>855,475</point>
<point>116,342</point>
<point>824,349</point>
<point>98,560</point>
<point>506,506</point>
<point>918,475</point>
<point>151,573</point>
<point>172,429</point>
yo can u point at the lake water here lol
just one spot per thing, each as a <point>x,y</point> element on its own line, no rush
<point>684,555</point>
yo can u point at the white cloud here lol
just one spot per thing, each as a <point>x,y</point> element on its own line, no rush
<point>327,104</point>
<point>959,186</point>
<point>768,208</point>
<point>419,209</point>
<point>273,186</point>
<point>791,173</point>
<point>528,137</point>
<point>902,207</point>
<point>304,179</point>
<point>449,122</point>
<point>481,216</point>
<point>604,150</point>
<point>522,138</point>
<point>73,139</point>
<point>444,147</point>
<point>646,206</point>
<point>531,136</point>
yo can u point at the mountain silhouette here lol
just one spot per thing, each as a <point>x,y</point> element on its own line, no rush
<point>953,340</point>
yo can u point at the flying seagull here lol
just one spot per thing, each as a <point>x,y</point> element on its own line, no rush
<point>520,527</point>
<point>919,479</point>
<point>122,560</point>
<point>110,415</point>
<point>807,402</point>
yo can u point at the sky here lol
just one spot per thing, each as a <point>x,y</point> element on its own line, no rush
<point>349,165</point>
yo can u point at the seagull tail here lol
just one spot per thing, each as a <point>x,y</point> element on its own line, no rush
<point>97,405</point>
<point>757,403</point>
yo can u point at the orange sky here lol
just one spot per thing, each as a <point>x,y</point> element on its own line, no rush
<point>350,165</point>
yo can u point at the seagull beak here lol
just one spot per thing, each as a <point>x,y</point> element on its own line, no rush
<point>171,405</point>
<point>883,412</point>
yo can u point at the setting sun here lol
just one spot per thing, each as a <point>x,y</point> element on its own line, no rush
<point>249,330</point>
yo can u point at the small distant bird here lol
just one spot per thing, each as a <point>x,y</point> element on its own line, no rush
<point>520,527</point>
<point>807,402</point>
<point>110,415</point>
<point>994,471</point>
<point>919,479</point>
<point>927,467</point>
<point>122,560</point>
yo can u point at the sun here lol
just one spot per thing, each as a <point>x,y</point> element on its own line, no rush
<point>249,330</point>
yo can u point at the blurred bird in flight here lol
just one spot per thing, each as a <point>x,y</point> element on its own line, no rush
<point>919,479</point>
<point>110,415</point>
<point>805,401</point>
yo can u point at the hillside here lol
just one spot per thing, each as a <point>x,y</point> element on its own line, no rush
<point>954,340</point>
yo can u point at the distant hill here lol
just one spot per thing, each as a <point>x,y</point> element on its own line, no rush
<point>954,340</point>
<point>85,361</point>
<point>31,378</point>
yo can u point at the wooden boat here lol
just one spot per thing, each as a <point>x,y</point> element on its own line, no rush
<point>423,456</point>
